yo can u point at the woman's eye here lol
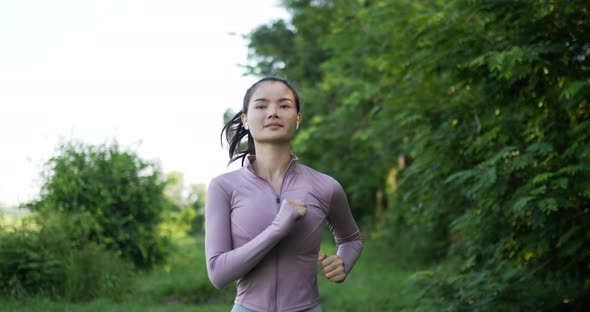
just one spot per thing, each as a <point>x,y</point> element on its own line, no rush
<point>284,106</point>
<point>260,107</point>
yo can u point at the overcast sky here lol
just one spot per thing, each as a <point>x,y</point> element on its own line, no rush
<point>155,75</point>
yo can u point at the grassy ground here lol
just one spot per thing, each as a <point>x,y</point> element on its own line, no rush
<point>376,284</point>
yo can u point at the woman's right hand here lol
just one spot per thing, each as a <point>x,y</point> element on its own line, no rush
<point>300,206</point>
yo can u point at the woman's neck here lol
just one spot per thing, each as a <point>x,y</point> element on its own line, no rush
<point>272,161</point>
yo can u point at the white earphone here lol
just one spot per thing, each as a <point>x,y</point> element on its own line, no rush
<point>246,126</point>
<point>297,125</point>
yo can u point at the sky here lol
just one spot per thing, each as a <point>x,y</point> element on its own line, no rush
<point>156,76</point>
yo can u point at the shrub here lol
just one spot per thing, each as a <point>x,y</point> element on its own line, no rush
<point>93,272</point>
<point>31,262</point>
<point>47,262</point>
<point>108,196</point>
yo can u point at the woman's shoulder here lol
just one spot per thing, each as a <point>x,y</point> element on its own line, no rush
<point>227,179</point>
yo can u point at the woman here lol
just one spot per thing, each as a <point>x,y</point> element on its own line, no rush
<point>264,220</point>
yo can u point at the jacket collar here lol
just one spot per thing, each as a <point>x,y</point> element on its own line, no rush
<point>247,167</point>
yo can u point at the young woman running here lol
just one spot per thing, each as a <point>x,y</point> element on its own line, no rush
<point>263,222</point>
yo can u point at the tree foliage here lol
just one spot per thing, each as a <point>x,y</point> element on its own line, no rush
<point>489,100</point>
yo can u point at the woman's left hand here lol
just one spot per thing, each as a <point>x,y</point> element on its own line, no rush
<point>333,267</point>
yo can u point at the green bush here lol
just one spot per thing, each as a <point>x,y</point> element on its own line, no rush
<point>108,196</point>
<point>31,262</point>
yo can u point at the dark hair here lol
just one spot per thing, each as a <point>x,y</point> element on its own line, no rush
<point>234,129</point>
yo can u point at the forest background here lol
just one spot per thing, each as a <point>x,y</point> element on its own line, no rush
<point>459,129</point>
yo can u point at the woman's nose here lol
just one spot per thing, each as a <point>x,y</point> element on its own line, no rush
<point>272,111</point>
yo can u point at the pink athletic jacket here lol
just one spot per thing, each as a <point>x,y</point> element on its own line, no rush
<point>252,235</point>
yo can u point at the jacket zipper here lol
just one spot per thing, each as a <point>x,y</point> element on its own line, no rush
<point>278,199</point>
<point>278,206</point>
<point>277,265</point>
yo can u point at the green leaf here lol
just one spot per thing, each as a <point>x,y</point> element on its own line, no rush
<point>573,88</point>
<point>570,169</point>
<point>543,177</point>
<point>561,183</point>
<point>542,149</point>
<point>460,177</point>
<point>539,190</point>
<point>522,202</point>
<point>548,205</point>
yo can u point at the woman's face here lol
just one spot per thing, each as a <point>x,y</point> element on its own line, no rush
<point>272,113</point>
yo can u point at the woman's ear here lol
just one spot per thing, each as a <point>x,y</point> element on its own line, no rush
<point>244,119</point>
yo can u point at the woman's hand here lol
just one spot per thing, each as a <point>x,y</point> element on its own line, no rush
<point>300,206</point>
<point>333,267</point>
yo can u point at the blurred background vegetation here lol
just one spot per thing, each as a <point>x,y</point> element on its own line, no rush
<point>459,129</point>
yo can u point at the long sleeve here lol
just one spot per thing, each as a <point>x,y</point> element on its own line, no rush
<point>225,264</point>
<point>346,232</point>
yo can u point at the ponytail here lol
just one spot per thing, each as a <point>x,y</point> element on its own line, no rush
<point>234,133</point>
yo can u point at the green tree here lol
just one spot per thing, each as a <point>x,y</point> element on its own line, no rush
<point>490,102</point>
<point>517,112</point>
<point>305,48</point>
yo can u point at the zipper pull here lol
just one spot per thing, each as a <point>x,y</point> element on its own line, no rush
<point>278,199</point>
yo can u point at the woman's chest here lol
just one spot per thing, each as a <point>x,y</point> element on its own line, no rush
<point>255,207</point>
